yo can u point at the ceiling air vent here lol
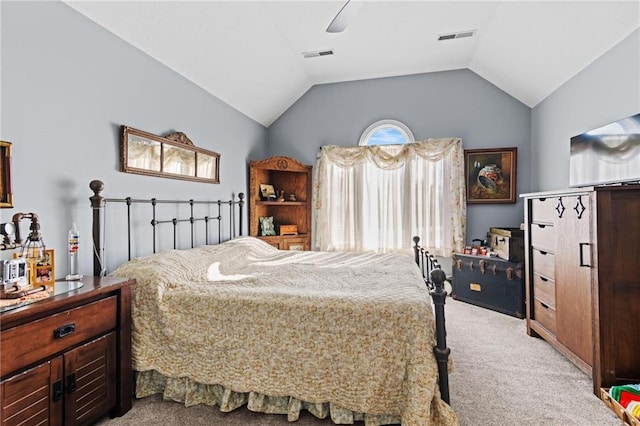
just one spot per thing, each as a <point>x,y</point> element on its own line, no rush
<point>317,53</point>
<point>461,34</point>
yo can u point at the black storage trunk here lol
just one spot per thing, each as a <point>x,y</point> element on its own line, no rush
<point>489,282</point>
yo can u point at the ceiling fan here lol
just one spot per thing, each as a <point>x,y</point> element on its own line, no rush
<point>344,16</point>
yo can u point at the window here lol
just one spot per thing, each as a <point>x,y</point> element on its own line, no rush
<point>386,132</point>
<point>376,198</point>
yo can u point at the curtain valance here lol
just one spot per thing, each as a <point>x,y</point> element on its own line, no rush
<point>398,190</point>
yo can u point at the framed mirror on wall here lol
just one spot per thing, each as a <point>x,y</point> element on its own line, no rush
<point>6,195</point>
<point>172,156</point>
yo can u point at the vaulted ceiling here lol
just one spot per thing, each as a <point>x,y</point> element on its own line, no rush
<point>250,54</point>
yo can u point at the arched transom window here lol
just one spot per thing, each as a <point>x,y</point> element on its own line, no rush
<point>386,132</point>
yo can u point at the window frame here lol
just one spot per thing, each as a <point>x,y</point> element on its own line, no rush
<point>381,124</point>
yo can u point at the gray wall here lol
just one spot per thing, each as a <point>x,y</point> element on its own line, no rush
<point>606,91</point>
<point>67,86</point>
<point>444,104</point>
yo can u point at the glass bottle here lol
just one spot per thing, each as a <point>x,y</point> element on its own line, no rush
<point>74,237</point>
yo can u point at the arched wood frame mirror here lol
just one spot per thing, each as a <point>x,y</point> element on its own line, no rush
<point>172,156</point>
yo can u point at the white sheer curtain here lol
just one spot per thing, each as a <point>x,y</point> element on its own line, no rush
<point>376,198</point>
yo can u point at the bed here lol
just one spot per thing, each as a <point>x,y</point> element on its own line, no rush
<point>349,336</point>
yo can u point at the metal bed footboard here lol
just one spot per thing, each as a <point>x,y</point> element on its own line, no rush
<point>434,277</point>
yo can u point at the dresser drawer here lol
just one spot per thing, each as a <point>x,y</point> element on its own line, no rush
<point>543,210</point>
<point>26,344</point>
<point>274,241</point>
<point>543,263</point>
<point>545,315</point>
<point>543,236</point>
<point>544,289</point>
<point>295,244</point>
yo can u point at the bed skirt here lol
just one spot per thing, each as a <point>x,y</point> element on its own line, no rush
<point>191,393</point>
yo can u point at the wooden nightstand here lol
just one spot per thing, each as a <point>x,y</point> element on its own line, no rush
<point>67,359</point>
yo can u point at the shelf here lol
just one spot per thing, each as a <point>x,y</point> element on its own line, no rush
<point>284,236</point>
<point>281,203</point>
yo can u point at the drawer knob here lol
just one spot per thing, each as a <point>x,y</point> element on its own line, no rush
<point>65,330</point>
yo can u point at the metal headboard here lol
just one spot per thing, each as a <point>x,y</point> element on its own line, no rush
<point>99,204</point>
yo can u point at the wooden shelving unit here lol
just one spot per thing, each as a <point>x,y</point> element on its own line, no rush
<point>291,176</point>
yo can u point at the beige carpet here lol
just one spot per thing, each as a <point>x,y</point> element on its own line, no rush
<point>502,377</point>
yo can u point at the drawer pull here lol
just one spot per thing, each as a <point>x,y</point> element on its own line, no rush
<point>582,263</point>
<point>541,226</point>
<point>542,252</point>
<point>509,272</point>
<point>57,391</point>
<point>544,305</point>
<point>65,330</point>
<point>579,208</point>
<point>560,208</point>
<point>543,278</point>
<point>71,382</point>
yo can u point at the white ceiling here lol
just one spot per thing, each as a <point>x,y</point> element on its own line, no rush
<point>249,54</point>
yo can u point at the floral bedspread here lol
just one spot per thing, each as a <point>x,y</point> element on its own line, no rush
<point>353,330</point>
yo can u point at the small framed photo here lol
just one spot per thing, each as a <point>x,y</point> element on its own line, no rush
<point>490,175</point>
<point>266,226</point>
<point>42,271</point>
<point>267,192</point>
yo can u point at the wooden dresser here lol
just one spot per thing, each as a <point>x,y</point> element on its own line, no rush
<point>582,277</point>
<point>67,359</point>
